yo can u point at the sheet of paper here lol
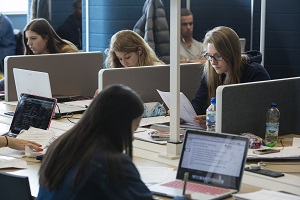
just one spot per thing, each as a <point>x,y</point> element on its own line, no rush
<point>152,175</point>
<point>296,142</point>
<point>9,162</point>
<point>187,112</point>
<point>287,152</point>
<point>154,120</point>
<point>266,194</point>
<point>144,136</point>
<point>40,136</point>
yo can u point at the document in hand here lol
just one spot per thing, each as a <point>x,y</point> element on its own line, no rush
<point>187,112</point>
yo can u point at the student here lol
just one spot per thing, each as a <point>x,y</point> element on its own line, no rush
<point>18,144</point>
<point>93,160</point>
<point>71,29</point>
<point>40,38</point>
<point>191,50</point>
<point>129,49</point>
<point>225,65</point>
<point>7,39</point>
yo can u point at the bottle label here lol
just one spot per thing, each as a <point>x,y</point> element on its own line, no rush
<point>211,117</point>
<point>272,130</point>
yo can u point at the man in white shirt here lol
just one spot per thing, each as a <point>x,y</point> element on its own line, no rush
<point>191,50</point>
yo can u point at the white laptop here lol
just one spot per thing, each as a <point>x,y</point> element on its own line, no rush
<point>38,83</point>
<point>215,163</point>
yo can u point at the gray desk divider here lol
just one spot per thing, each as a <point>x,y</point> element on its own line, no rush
<point>145,80</point>
<point>243,107</point>
<point>71,74</point>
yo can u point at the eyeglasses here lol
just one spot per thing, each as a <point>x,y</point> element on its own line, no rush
<point>216,57</point>
<point>185,24</point>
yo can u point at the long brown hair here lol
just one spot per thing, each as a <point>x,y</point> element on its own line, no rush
<point>105,128</point>
<point>43,28</point>
<point>226,42</point>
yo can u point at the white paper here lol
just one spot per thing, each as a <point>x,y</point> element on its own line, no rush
<point>40,136</point>
<point>154,120</point>
<point>152,175</point>
<point>266,194</point>
<point>187,112</point>
<point>8,162</point>
<point>286,152</point>
<point>296,142</point>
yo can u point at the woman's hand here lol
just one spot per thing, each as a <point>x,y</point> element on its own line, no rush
<point>201,120</point>
<point>19,144</point>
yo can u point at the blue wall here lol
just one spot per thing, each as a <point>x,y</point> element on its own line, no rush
<point>282,25</point>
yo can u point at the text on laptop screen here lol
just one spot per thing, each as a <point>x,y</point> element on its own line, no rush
<point>214,160</point>
<point>32,111</point>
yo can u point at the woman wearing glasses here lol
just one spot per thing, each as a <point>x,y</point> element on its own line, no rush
<point>225,65</point>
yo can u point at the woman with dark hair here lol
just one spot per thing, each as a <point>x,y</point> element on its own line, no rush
<point>93,159</point>
<point>40,38</point>
<point>225,65</point>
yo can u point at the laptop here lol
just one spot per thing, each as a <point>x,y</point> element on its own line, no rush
<point>32,110</point>
<point>38,83</point>
<point>215,164</point>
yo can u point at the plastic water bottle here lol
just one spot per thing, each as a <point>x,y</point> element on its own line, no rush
<point>211,115</point>
<point>272,125</point>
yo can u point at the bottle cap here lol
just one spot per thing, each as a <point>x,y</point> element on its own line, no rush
<point>213,100</point>
<point>273,104</point>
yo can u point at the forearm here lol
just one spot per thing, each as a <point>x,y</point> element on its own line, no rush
<point>3,141</point>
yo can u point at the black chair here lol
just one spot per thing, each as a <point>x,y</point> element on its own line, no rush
<point>14,187</point>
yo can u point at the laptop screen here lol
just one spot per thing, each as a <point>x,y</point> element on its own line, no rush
<point>33,111</point>
<point>214,159</point>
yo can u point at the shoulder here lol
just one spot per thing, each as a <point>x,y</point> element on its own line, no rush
<point>68,47</point>
<point>254,72</point>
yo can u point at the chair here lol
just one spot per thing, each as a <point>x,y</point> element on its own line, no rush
<point>14,187</point>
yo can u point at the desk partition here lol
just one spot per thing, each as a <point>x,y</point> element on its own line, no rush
<point>145,80</point>
<point>71,74</point>
<point>243,107</point>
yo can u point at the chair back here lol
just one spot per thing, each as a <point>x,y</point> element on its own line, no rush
<point>14,187</point>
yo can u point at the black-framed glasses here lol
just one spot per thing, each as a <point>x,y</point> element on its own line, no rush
<point>216,57</point>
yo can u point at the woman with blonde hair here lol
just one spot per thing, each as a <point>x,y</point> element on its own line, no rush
<point>225,65</point>
<point>129,49</point>
<point>40,38</point>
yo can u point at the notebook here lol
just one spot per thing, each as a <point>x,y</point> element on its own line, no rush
<point>38,83</point>
<point>215,163</point>
<point>32,110</point>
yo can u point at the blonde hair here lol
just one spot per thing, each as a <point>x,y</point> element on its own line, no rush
<point>226,42</point>
<point>129,41</point>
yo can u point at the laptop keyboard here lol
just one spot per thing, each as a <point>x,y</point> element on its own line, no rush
<point>196,187</point>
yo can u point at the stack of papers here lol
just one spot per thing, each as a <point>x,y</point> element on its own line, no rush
<point>266,194</point>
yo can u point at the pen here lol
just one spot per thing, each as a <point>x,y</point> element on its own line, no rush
<point>185,179</point>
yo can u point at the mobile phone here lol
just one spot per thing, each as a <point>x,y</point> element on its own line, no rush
<point>266,151</point>
<point>160,136</point>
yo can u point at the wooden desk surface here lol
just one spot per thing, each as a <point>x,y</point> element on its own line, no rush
<point>146,154</point>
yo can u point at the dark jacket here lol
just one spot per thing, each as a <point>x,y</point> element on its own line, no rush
<point>252,72</point>
<point>95,184</point>
<point>70,31</point>
<point>154,28</point>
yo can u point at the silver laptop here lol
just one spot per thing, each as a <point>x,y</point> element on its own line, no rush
<point>215,163</point>
<point>38,83</point>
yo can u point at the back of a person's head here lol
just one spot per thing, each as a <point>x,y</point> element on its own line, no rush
<point>185,12</point>
<point>77,3</point>
<point>111,113</point>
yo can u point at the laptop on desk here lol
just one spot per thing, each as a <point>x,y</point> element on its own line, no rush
<point>32,110</point>
<point>38,83</point>
<point>215,163</point>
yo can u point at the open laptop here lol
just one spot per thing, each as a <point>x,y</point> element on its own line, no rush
<point>215,163</point>
<point>38,83</point>
<point>32,110</point>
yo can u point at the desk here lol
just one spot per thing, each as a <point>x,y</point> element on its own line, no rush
<point>146,154</point>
